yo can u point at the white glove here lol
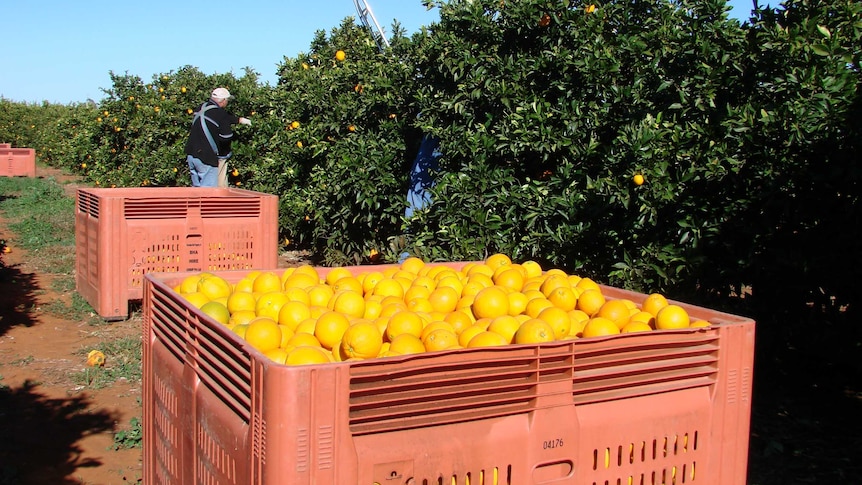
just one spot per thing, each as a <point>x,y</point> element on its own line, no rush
<point>245,121</point>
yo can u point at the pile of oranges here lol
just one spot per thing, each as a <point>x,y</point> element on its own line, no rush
<point>300,316</point>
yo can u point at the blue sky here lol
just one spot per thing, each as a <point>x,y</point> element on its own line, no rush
<point>63,52</point>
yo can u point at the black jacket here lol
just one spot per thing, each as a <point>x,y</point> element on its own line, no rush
<point>219,123</point>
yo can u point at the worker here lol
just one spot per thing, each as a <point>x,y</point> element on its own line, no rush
<point>208,147</point>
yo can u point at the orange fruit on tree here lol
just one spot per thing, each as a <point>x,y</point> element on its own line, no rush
<point>505,325</point>
<point>496,260</point>
<point>348,302</point>
<point>267,282</point>
<point>362,340</point>
<point>616,311</point>
<point>534,331</point>
<point>563,297</point>
<point>264,334</point>
<point>406,344</point>
<point>269,304</point>
<point>490,302</point>
<point>600,326</point>
<point>292,313</point>
<point>653,303</point>
<point>307,355</point>
<point>590,301</point>
<point>404,321</point>
<point>444,299</point>
<point>509,277</point>
<point>558,319</point>
<point>487,338</point>
<point>216,311</point>
<point>672,316</point>
<point>635,326</point>
<point>440,339</point>
<point>330,327</point>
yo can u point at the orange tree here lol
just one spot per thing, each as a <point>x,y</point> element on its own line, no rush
<point>334,141</point>
<point>547,110</point>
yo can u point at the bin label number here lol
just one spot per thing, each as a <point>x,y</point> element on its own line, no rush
<point>551,444</point>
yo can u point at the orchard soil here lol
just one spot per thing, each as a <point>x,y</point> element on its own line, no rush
<point>53,430</point>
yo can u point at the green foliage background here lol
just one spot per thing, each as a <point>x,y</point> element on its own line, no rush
<point>746,135</point>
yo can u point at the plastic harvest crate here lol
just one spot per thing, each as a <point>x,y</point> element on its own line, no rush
<point>667,407</point>
<point>123,233</point>
<point>17,162</point>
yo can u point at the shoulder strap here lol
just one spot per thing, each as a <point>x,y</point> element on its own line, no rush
<point>201,115</point>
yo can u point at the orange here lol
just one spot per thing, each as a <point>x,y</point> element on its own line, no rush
<point>406,344</point>
<point>329,328</point>
<point>306,326</point>
<point>466,303</point>
<point>190,284</point>
<point>672,316</point>
<point>587,284</point>
<point>643,317</point>
<point>336,274</point>
<point>373,308</point>
<point>490,302</point>
<point>307,269</point>
<point>532,268</point>
<point>412,264</point>
<point>264,334</point>
<point>480,269</point>
<point>424,281</point>
<point>552,282</point>
<point>286,334</point>
<point>440,339</point>
<point>214,287</point>
<point>297,294</point>
<point>240,329</point>
<point>319,294</point>
<point>444,299</point>
<point>635,326</point>
<point>599,326</point>
<point>350,283</point>
<point>590,301</point>
<point>468,333</point>
<point>534,331</point>
<point>402,322</point>
<point>487,338</point>
<point>616,311</point>
<point>266,282</point>
<point>362,341</point>
<point>416,292</point>
<point>451,281</point>
<point>505,325</point>
<point>245,285</point>
<point>517,302</point>
<point>217,311</point>
<point>419,305</point>
<point>435,325</point>
<point>242,316</point>
<point>301,340</point>
<point>700,324</point>
<point>300,280</point>
<point>269,304</point>
<point>653,303</point>
<point>349,302</point>
<point>563,297</point>
<point>370,280</point>
<point>292,313</point>
<point>509,277</point>
<point>536,305</point>
<point>278,356</point>
<point>496,260</point>
<point>558,319</point>
<point>306,355</point>
<point>388,287</point>
<point>459,319</point>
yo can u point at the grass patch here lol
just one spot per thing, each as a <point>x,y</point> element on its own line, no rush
<point>42,217</point>
<point>122,361</point>
<point>130,438</point>
<point>77,309</point>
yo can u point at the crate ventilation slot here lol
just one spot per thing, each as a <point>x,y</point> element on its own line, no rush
<point>181,208</point>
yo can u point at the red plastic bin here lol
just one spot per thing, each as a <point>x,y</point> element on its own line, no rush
<point>5,145</point>
<point>661,407</point>
<point>17,162</point>
<point>123,233</point>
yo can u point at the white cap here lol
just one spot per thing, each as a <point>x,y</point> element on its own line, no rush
<point>220,93</point>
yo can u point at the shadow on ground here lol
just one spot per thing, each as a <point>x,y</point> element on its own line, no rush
<point>17,297</point>
<point>38,435</point>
